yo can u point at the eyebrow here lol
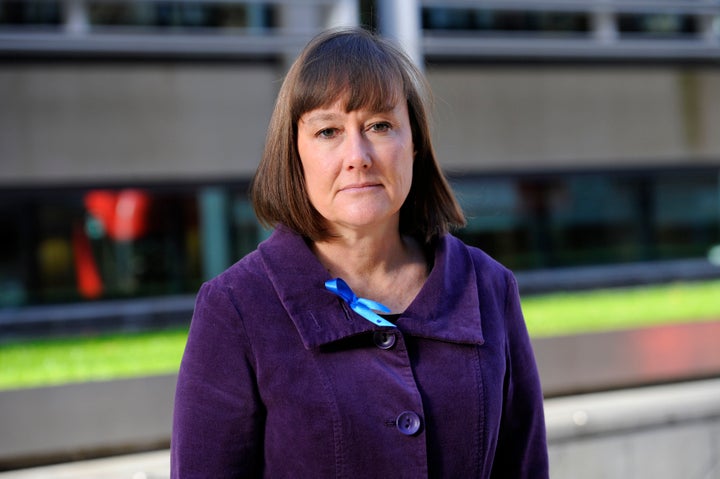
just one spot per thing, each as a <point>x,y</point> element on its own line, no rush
<point>318,117</point>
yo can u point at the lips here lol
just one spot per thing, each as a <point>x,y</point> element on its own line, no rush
<point>360,186</point>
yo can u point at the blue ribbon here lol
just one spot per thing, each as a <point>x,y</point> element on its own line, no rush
<point>363,307</point>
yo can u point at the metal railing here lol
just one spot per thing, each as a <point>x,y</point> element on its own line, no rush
<point>293,22</point>
<point>603,38</point>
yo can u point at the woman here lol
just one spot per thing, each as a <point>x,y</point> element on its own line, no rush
<point>288,371</point>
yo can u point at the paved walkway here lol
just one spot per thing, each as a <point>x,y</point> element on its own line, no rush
<point>148,465</point>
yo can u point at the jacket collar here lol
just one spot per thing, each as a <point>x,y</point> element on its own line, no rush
<point>446,308</point>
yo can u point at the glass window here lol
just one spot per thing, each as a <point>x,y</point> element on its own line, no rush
<point>84,244</point>
<point>498,221</point>
<point>687,214</point>
<point>89,244</point>
<point>180,15</point>
<point>593,220</point>
<point>483,20</point>
<point>657,24</point>
<point>529,222</point>
<point>29,12</point>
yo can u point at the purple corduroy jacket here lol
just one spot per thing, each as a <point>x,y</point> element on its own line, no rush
<point>281,379</point>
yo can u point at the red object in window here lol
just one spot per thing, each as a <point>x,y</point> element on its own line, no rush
<point>101,205</point>
<point>131,215</point>
<point>89,283</point>
<point>123,214</point>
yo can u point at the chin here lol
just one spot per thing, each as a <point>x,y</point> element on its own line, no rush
<point>359,223</point>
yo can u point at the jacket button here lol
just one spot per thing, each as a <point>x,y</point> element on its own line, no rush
<point>408,423</point>
<point>383,339</point>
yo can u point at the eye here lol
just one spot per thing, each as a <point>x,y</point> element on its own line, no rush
<point>381,127</point>
<point>327,133</point>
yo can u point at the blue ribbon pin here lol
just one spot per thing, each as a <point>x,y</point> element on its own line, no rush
<point>363,307</point>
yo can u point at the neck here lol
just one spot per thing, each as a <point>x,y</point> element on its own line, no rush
<point>387,268</point>
<point>361,256</point>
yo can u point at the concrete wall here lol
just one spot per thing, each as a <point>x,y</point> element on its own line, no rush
<point>94,121</point>
<point>661,432</point>
<point>83,420</point>
<point>664,432</point>
<point>533,118</point>
<point>90,122</point>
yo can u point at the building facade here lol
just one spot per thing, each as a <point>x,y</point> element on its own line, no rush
<point>576,133</point>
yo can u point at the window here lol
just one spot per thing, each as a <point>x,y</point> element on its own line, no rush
<point>576,219</point>
<point>502,21</point>
<point>84,244</point>
<point>657,25</point>
<point>30,13</point>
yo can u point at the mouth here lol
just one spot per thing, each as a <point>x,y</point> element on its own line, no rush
<point>360,186</point>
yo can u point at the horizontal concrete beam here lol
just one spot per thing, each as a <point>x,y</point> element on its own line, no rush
<point>630,358</point>
<point>661,432</point>
<point>631,410</point>
<point>83,420</point>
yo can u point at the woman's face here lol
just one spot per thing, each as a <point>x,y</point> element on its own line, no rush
<point>357,165</point>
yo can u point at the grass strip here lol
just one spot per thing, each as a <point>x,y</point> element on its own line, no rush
<point>60,361</point>
<point>560,314</point>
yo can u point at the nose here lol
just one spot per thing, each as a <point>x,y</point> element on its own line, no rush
<point>358,152</point>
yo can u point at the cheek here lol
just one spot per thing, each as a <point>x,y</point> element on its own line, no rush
<point>407,167</point>
<point>408,178</point>
<point>305,164</point>
<point>316,179</point>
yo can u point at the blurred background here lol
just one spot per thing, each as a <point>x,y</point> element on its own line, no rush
<point>580,135</point>
<point>576,133</point>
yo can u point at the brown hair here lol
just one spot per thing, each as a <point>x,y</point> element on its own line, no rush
<point>372,73</point>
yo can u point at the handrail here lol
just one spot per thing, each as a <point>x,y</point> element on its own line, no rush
<point>603,39</point>
<point>76,35</point>
<point>689,6</point>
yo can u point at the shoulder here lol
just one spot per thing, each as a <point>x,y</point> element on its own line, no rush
<point>262,277</point>
<point>252,270</point>
<point>224,296</point>
<point>244,283</point>
<point>249,267</point>
<point>495,283</point>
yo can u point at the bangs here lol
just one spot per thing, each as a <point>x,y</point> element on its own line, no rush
<point>352,69</point>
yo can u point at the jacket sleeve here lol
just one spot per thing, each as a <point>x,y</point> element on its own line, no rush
<point>522,444</point>
<point>218,416</point>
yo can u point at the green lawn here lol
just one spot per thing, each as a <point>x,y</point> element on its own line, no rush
<point>47,362</point>
<point>612,309</point>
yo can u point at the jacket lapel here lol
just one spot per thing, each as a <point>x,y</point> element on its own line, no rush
<point>299,281</point>
<point>446,309</point>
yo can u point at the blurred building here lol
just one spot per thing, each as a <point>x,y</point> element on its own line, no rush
<point>576,132</point>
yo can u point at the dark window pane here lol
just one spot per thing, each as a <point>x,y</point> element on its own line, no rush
<point>28,12</point>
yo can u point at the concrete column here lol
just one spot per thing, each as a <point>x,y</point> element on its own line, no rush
<point>604,25</point>
<point>343,13</point>
<point>299,22</point>
<point>709,28</point>
<point>75,17</point>
<point>214,231</point>
<point>400,20</point>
